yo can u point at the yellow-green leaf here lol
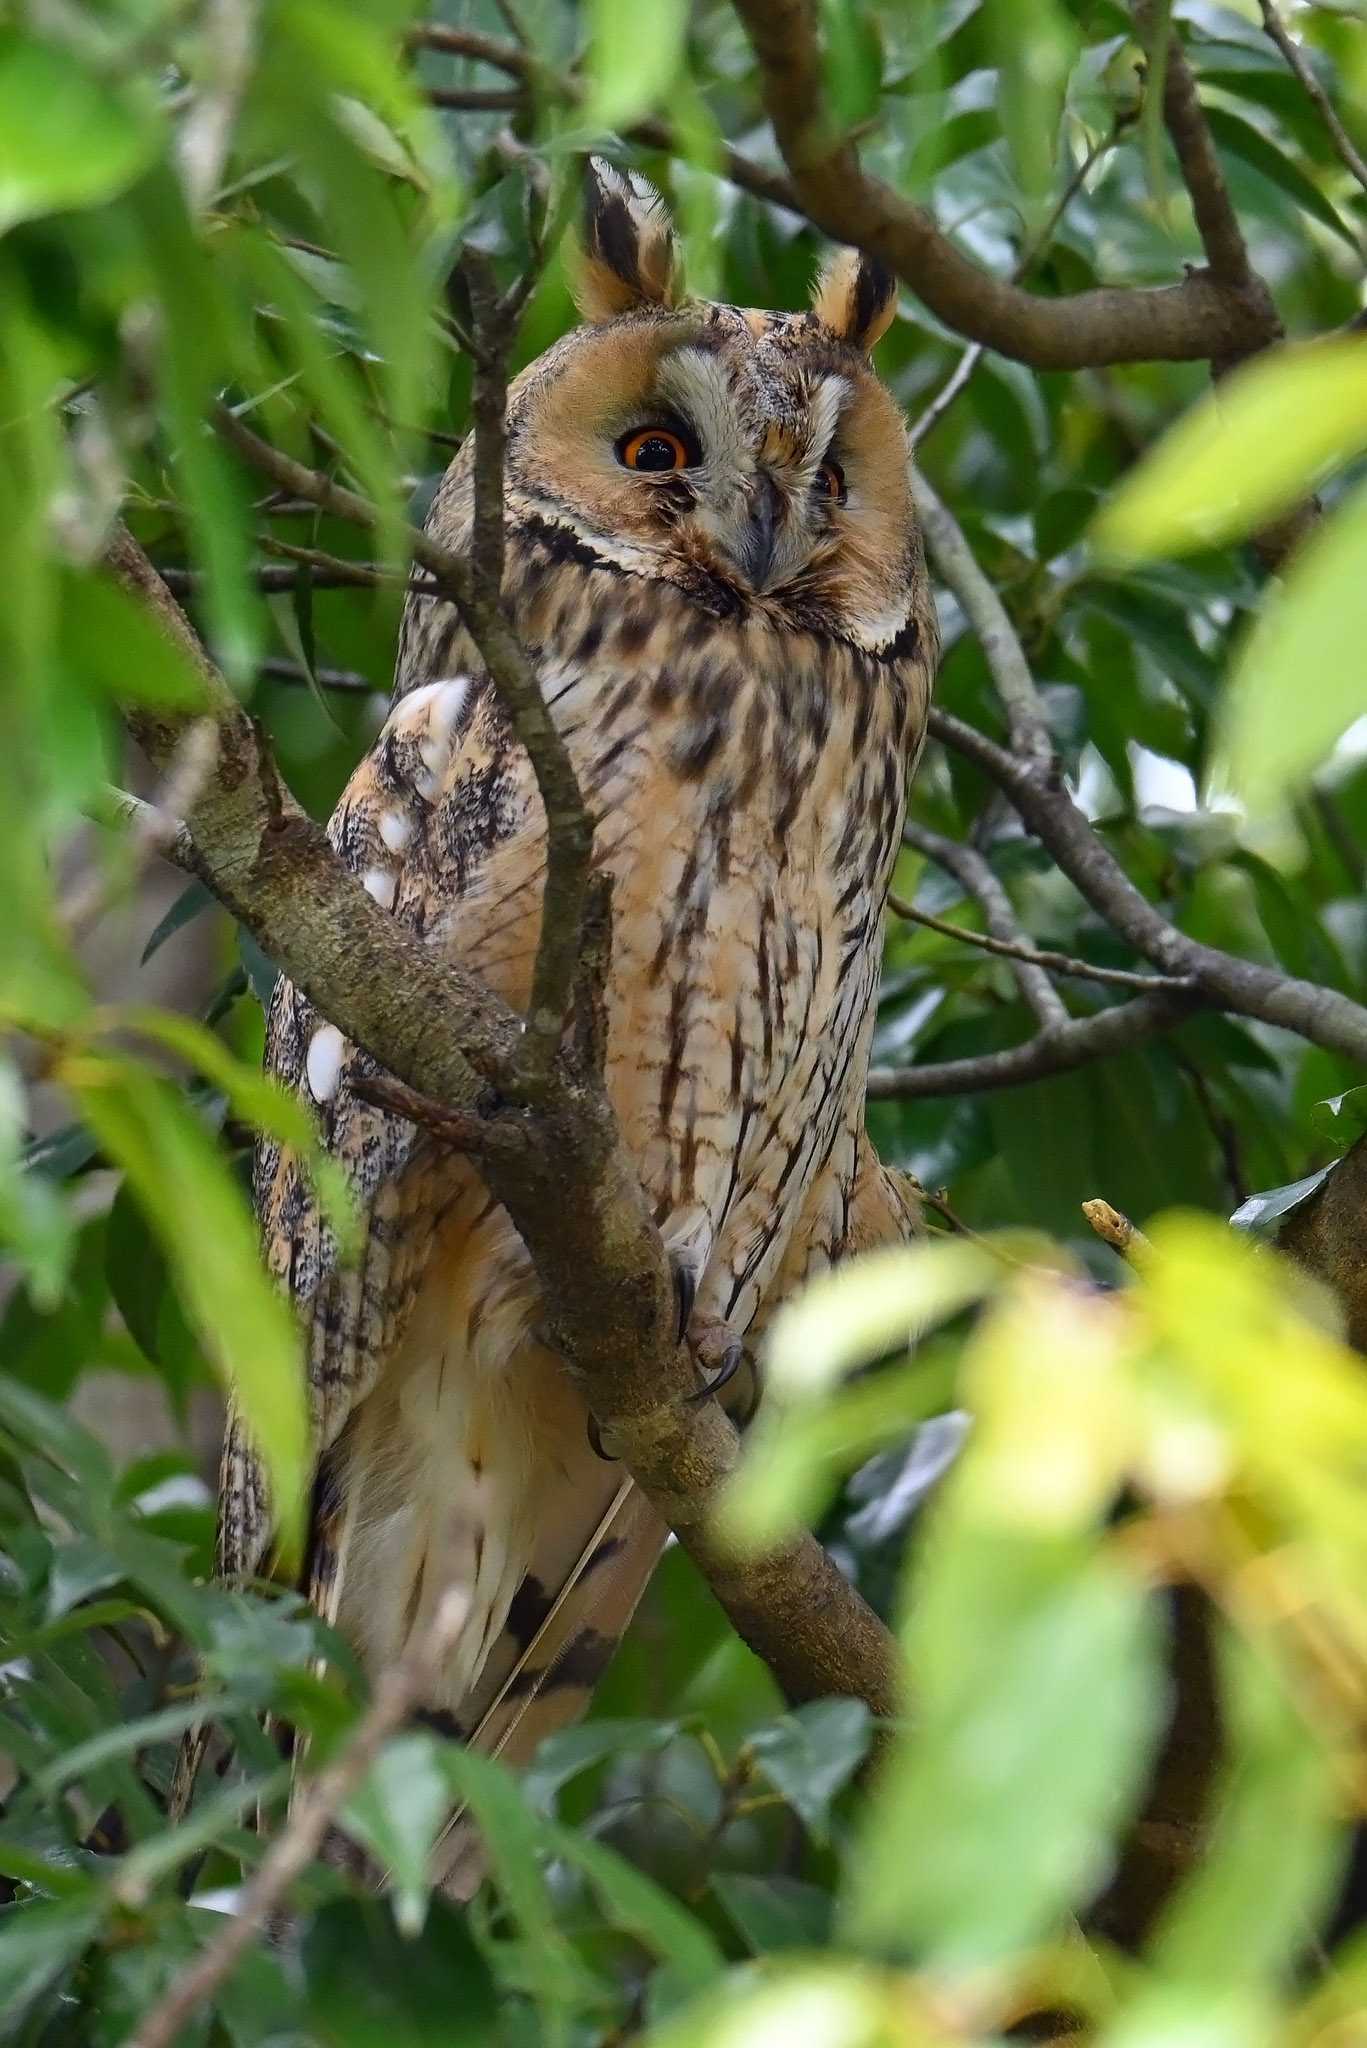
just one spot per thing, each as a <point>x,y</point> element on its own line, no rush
<point>1263,438</point>
<point>634,58</point>
<point>206,1230</point>
<point>67,139</point>
<point>1301,680</point>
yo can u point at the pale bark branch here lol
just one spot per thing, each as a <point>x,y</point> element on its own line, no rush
<point>558,1168</point>
<point>974,875</point>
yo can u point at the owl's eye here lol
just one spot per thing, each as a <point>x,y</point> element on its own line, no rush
<point>655,449</point>
<point>830,483</point>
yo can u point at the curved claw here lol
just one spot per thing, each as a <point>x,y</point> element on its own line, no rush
<point>596,1444</point>
<point>685,1289</point>
<point>732,1359</point>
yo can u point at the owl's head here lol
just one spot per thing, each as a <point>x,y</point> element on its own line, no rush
<point>751,458</point>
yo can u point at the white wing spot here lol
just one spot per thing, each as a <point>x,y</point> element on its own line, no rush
<point>396,829</point>
<point>324,1063</point>
<point>381,884</point>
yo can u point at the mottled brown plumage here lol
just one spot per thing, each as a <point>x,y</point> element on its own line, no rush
<point>738,652</point>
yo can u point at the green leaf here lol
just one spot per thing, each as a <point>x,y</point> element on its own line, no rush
<point>1034,52</point>
<point>1342,1119</point>
<point>397,1814</point>
<point>244,1323</point>
<point>1308,649</point>
<point>193,899</point>
<point>1038,1695</point>
<point>1243,140</point>
<point>38,1945</point>
<point>811,1754</point>
<point>259,1099</point>
<point>774,1912</point>
<point>562,1757</point>
<point>35,1222</point>
<point>1244,1915</point>
<point>635,54</point>
<point>46,99</point>
<point>112,640</point>
<point>1265,436</point>
<point>854,60</point>
<point>368,1987</point>
<point>642,1908</point>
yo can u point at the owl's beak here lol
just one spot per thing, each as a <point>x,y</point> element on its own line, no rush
<point>761,533</point>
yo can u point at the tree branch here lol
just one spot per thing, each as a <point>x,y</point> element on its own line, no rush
<point>1055,1051</point>
<point>1201,317</point>
<point>1322,1015</point>
<point>975,877</point>
<point>951,555</point>
<point>558,1168</point>
<point>1348,153</point>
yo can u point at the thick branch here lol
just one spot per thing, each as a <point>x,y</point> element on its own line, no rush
<point>1201,317</point>
<point>560,1171</point>
<point>569,828</point>
<point>1222,238</point>
<point>1056,1051</point>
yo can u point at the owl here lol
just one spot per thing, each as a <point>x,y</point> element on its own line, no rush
<point>714,564</point>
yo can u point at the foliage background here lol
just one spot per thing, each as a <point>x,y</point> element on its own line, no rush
<point>262,201</point>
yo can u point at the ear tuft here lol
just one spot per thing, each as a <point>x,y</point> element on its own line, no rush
<point>629,258</point>
<point>855,296</point>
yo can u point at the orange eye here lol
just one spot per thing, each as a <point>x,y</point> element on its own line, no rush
<point>656,449</point>
<point>830,483</point>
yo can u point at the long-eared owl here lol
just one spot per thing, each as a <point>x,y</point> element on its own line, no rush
<point>714,564</point>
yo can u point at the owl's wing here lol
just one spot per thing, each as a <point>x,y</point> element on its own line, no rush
<point>392,829</point>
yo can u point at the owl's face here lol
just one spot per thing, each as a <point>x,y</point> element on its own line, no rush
<point>752,459</point>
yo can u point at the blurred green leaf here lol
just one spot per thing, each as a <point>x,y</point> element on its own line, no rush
<point>46,98</point>
<point>634,57</point>
<point>368,1987</point>
<point>246,1326</point>
<point>396,1814</point>
<point>1307,648</point>
<point>1243,140</point>
<point>1342,1119</point>
<point>1266,435</point>
<point>774,1912</point>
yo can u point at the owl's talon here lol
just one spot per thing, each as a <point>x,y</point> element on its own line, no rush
<point>685,1291</point>
<point>596,1444</point>
<point>732,1358</point>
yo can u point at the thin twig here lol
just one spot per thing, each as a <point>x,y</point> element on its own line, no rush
<point>157,826</point>
<point>985,612</point>
<point>346,681</point>
<point>1115,1227</point>
<point>471,44</point>
<point>400,1687</point>
<point>974,875</point>
<point>1040,956</point>
<point>1348,153</point>
<point>1217,223</point>
<point>229,28</point>
<point>1035,246</point>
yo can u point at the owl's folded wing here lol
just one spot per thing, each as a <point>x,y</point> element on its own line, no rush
<point>392,829</point>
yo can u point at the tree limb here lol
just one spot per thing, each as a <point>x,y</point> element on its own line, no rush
<point>1322,1015</point>
<point>1198,318</point>
<point>1348,153</point>
<point>975,877</point>
<point>559,1169</point>
<point>1055,1051</point>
